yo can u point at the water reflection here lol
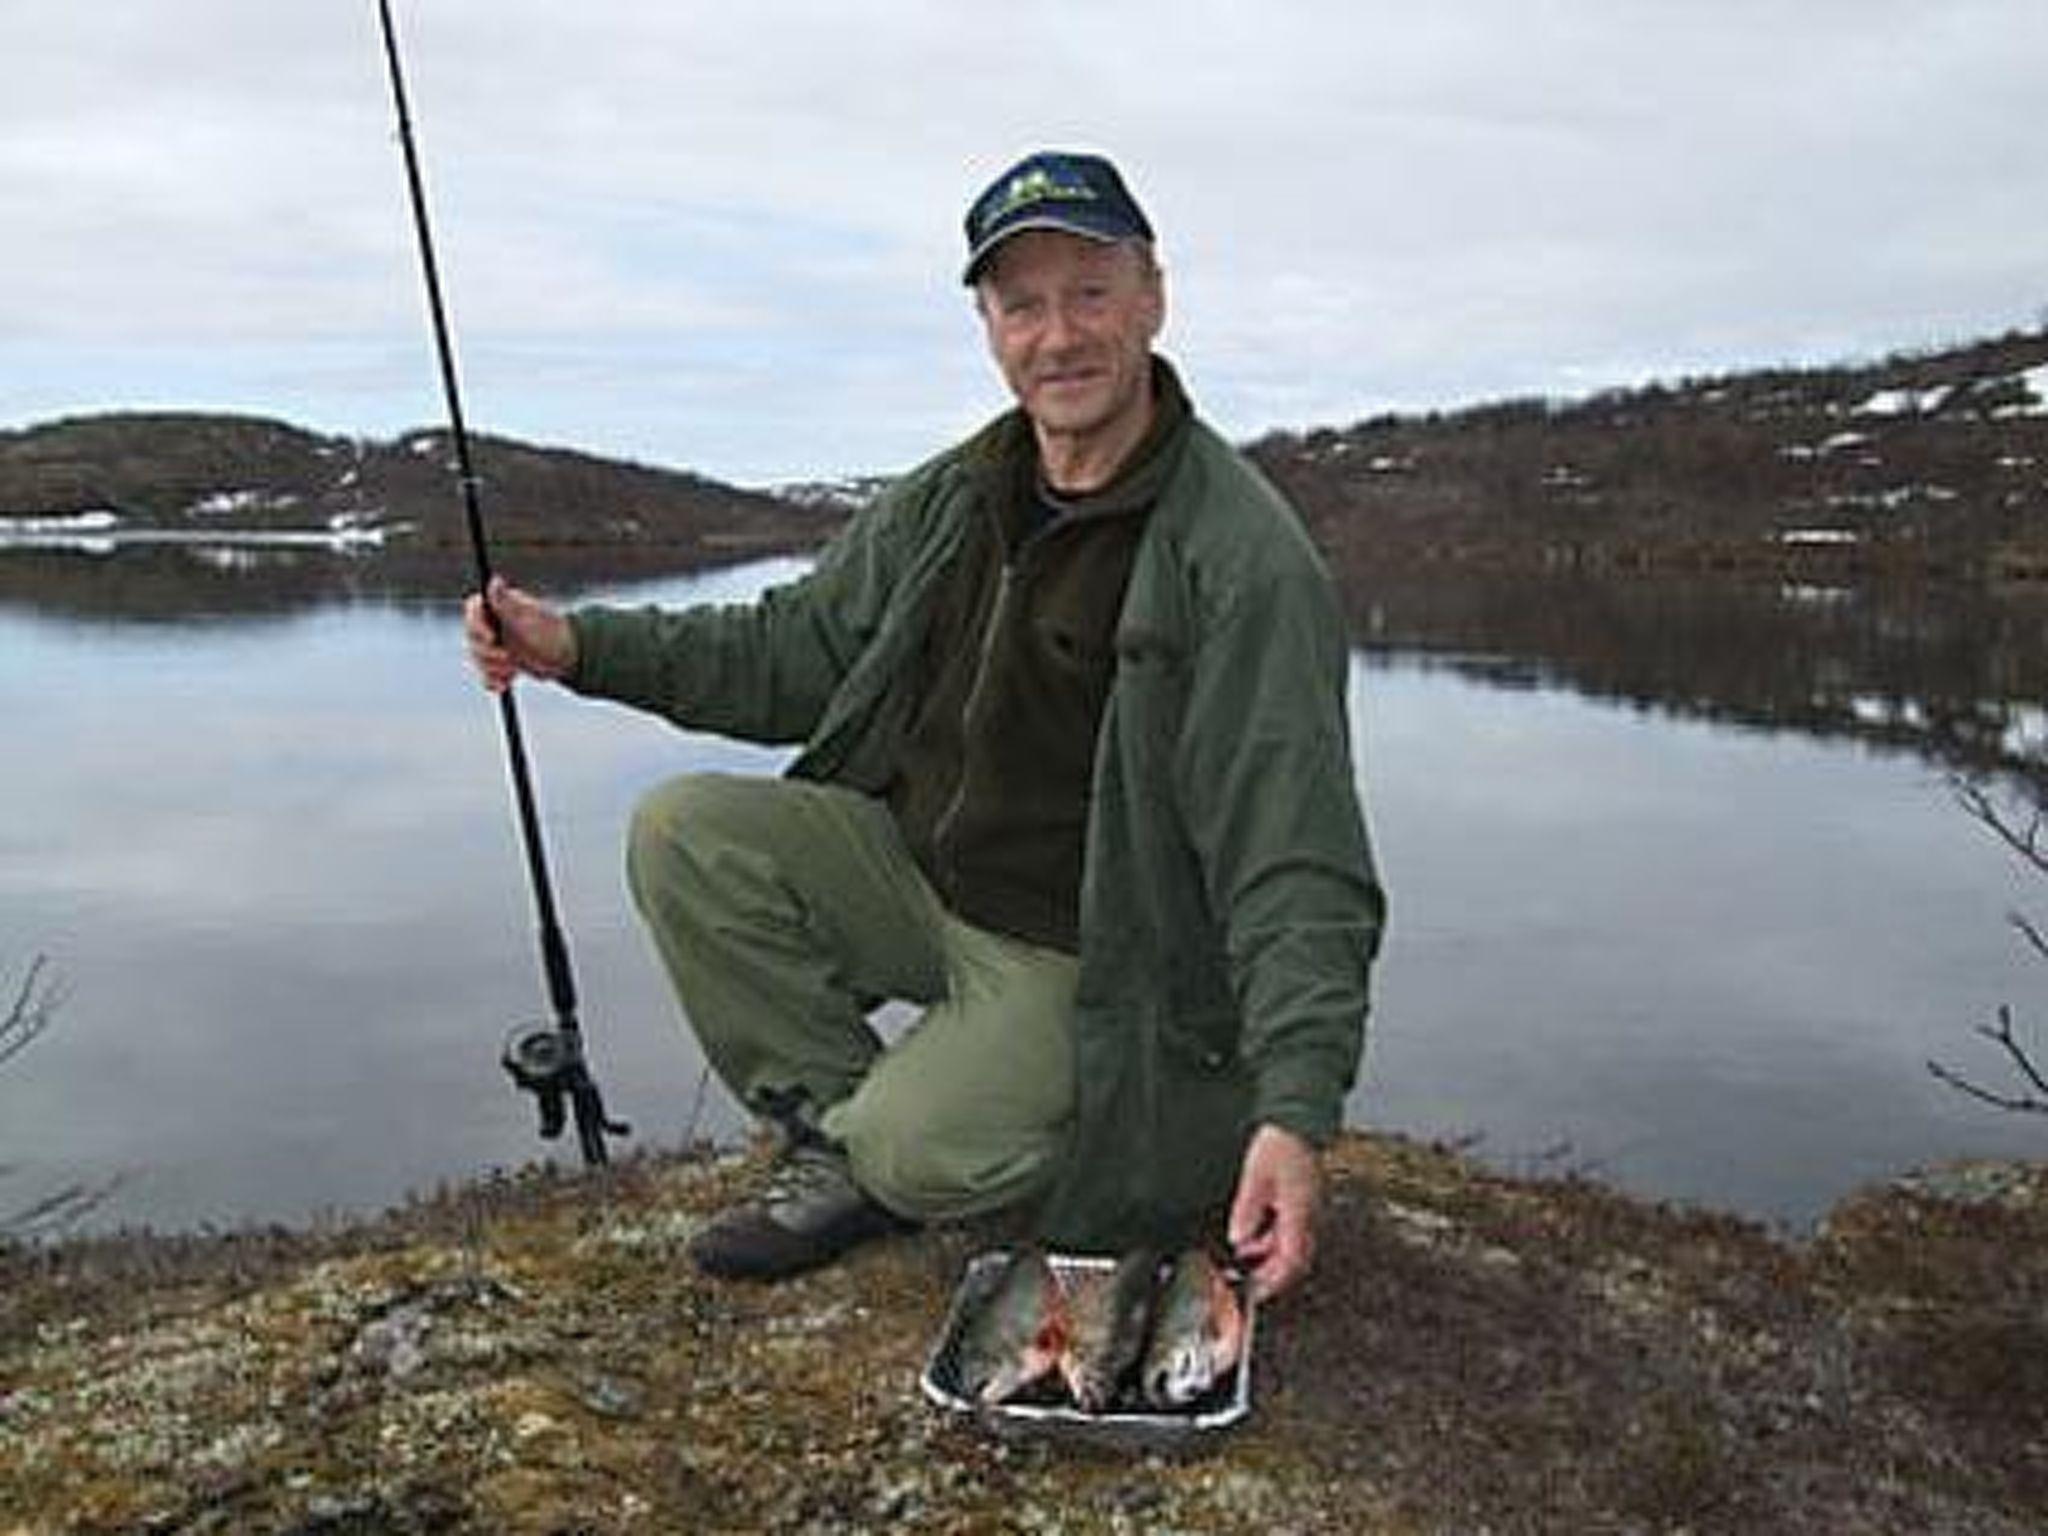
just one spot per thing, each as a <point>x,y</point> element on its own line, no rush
<point>265,837</point>
<point>193,580</point>
<point>1955,673</point>
<point>274,861</point>
<point>1704,963</point>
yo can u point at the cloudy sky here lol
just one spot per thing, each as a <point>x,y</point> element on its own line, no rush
<point>725,236</point>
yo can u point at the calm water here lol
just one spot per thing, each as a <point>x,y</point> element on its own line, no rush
<point>271,856</point>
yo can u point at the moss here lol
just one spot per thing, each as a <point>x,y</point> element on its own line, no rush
<point>535,1355</point>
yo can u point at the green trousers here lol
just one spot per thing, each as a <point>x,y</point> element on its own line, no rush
<point>785,912</point>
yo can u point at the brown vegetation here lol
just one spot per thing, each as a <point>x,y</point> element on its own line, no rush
<point>193,471</point>
<point>1925,464</point>
<point>1476,1352</point>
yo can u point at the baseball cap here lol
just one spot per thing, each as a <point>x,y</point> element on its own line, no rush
<point>1080,194</point>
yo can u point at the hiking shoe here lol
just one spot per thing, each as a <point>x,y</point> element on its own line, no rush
<point>810,1213</point>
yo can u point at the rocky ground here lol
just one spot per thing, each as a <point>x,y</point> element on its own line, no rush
<point>1476,1353</point>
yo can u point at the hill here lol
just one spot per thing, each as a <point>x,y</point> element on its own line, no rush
<point>1931,463</point>
<point>1926,463</point>
<point>192,473</point>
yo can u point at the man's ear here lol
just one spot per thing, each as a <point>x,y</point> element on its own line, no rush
<point>1154,276</point>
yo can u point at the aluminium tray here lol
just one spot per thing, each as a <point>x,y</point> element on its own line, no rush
<point>1122,1429</point>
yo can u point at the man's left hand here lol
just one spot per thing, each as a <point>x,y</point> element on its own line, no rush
<point>1273,1218</point>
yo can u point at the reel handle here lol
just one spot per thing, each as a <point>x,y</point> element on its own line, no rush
<point>546,1061</point>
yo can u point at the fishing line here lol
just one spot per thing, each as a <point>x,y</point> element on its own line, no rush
<point>546,1061</point>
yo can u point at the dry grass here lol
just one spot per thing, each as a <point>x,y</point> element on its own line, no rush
<point>1476,1352</point>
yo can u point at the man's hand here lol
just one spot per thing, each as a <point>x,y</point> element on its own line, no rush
<point>1273,1218</point>
<point>531,638</point>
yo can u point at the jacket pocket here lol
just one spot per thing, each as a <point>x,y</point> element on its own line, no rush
<point>1147,702</point>
<point>1202,1042</point>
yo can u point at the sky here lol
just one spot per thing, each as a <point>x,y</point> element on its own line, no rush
<point>725,236</point>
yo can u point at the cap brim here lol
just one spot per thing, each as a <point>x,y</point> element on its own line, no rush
<point>979,256</point>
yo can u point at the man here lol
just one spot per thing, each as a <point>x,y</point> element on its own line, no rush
<point>1075,776</point>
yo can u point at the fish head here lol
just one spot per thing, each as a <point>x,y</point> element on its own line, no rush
<point>1198,1333</point>
<point>1017,1333</point>
<point>1180,1373</point>
<point>1033,1360</point>
<point>1107,1314</point>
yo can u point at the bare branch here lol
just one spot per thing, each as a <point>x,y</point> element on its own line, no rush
<point>2025,832</point>
<point>35,1002</point>
<point>29,1014</point>
<point>56,1211</point>
<point>2018,1102</point>
<point>2033,935</point>
<point>2029,841</point>
<point>2022,1062</point>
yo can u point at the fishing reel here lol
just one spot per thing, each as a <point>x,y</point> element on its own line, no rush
<point>546,1061</point>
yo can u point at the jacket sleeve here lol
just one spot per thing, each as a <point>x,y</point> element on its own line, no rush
<point>760,671</point>
<point>1268,787</point>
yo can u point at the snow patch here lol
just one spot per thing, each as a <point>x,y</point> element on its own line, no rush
<point>2036,381</point>
<point>848,494</point>
<point>1900,402</point>
<point>1892,499</point>
<point>102,540</point>
<point>228,503</point>
<point>2026,730</point>
<point>57,525</point>
<point>1875,710</point>
<point>1807,594</point>
<point>1822,536</point>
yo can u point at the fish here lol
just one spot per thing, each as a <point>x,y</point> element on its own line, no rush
<point>1107,1314</point>
<point>1197,1335</point>
<point>1016,1336</point>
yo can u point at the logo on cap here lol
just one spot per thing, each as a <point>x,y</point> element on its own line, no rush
<point>1038,185</point>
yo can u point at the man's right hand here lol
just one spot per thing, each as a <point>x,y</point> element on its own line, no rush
<point>530,638</point>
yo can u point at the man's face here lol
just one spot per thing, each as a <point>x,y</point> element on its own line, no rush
<point>1071,323</point>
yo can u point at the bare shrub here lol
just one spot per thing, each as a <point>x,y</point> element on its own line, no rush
<point>2021,829</point>
<point>34,1003</point>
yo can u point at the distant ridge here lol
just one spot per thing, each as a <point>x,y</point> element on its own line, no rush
<point>1931,462</point>
<point>227,474</point>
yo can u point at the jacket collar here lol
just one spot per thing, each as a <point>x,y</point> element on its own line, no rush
<point>1003,456</point>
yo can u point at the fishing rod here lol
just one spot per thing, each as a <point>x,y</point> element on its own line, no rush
<point>546,1061</point>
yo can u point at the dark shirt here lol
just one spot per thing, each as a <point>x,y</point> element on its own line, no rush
<point>993,787</point>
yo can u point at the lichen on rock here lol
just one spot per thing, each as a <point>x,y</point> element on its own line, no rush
<point>1474,1350</point>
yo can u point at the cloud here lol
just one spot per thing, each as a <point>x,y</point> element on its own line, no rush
<point>726,236</point>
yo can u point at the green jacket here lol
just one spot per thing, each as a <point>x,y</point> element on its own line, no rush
<point>1229,906</point>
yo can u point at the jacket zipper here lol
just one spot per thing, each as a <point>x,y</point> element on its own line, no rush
<point>949,818</point>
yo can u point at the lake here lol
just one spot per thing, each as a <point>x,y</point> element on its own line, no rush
<point>1682,897</point>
